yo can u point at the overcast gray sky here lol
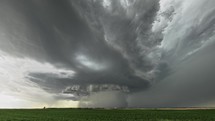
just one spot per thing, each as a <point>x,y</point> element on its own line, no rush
<point>107,53</point>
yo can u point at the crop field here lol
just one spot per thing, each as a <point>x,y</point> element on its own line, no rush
<point>106,115</point>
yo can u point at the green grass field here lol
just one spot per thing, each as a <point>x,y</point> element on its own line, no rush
<point>106,115</point>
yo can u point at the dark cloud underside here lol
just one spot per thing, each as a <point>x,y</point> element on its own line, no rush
<point>123,49</point>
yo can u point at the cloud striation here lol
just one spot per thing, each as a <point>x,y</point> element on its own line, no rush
<point>107,53</point>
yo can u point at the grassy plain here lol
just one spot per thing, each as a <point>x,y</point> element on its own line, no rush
<point>106,115</point>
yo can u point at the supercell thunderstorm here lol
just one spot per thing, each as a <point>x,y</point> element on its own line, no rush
<point>108,53</point>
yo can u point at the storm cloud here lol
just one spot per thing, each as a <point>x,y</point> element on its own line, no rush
<point>126,53</point>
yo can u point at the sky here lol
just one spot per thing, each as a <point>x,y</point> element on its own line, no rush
<point>107,53</point>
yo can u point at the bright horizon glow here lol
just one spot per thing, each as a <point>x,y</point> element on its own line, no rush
<point>12,102</point>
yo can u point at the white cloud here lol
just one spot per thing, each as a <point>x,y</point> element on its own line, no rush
<point>90,63</point>
<point>16,90</point>
<point>191,17</point>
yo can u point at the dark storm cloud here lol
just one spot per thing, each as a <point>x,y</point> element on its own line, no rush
<point>55,84</point>
<point>124,26</point>
<point>189,47</point>
<point>64,34</point>
<point>56,28</point>
<point>190,86</point>
<point>113,50</point>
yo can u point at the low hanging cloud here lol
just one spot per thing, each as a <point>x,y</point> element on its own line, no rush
<point>126,53</point>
